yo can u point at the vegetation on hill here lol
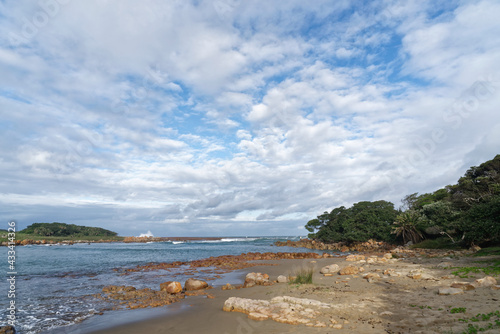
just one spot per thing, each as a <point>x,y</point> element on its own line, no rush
<point>63,230</point>
<point>467,213</point>
<point>45,233</point>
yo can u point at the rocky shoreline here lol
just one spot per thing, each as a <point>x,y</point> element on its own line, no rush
<point>25,242</point>
<point>398,291</point>
<point>369,246</point>
<point>172,291</point>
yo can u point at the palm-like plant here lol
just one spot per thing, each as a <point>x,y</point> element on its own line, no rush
<point>406,227</point>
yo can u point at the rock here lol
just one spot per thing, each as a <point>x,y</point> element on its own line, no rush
<point>7,330</point>
<point>495,287</point>
<point>117,289</point>
<point>450,291</point>
<point>253,279</point>
<point>284,309</point>
<point>371,276</point>
<point>195,284</point>
<point>249,284</point>
<point>163,286</point>
<point>228,287</point>
<point>391,273</point>
<point>445,265</point>
<point>485,281</point>
<point>349,270</point>
<point>330,269</point>
<point>133,298</point>
<point>475,248</point>
<point>171,287</point>
<point>466,286</point>
<point>415,274</point>
<point>282,279</point>
<point>257,316</point>
<point>353,257</point>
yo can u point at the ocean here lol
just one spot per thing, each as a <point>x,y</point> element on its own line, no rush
<point>55,284</point>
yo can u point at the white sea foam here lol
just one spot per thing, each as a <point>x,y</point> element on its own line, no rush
<point>148,234</point>
<point>228,240</point>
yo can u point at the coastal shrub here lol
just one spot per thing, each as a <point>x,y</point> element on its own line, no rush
<point>359,223</point>
<point>439,243</point>
<point>303,276</point>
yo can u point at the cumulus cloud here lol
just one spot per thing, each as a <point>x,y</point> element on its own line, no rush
<point>238,118</point>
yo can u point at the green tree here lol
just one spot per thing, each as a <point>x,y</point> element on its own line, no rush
<point>481,223</point>
<point>476,197</point>
<point>407,226</point>
<point>361,222</point>
<point>440,217</point>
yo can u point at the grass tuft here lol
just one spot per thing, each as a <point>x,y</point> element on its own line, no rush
<point>303,276</point>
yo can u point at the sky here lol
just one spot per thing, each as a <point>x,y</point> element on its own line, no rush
<point>238,118</point>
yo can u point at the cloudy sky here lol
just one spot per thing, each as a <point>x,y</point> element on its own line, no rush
<point>234,117</point>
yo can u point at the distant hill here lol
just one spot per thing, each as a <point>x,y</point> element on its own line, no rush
<point>66,230</point>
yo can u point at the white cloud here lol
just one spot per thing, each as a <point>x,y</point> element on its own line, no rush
<point>245,114</point>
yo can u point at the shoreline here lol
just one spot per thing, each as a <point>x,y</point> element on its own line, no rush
<point>399,296</point>
<point>41,241</point>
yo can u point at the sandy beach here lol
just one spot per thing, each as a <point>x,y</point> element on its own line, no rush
<point>397,295</point>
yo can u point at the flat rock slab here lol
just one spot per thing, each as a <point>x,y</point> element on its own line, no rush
<point>284,309</point>
<point>450,291</point>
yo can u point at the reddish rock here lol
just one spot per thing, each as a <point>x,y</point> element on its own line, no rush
<point>195,284</point>
<point>330,269</point>
<point>349,270</point>
<point>485,281</point>
<point>7,330</point>
<point>466,286</point>
<point>171,287</point>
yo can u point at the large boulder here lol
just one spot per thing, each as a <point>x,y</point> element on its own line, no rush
<point>349,270</point>
<point>171,287</point>
<point>195,284</point>
<point>331,269</point>
<point>354,257</point>
<point>485,281</point>
<point>282,279</point>
<point>7,330</point>
<point>256,279</point>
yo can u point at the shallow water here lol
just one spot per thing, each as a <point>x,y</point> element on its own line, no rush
<point>55,284</point>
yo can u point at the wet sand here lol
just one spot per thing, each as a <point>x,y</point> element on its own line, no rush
<point>408,303</point>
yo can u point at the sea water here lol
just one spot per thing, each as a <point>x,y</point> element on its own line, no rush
<point>56,285</point>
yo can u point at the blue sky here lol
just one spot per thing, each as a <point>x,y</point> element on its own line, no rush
<point>235,117</point>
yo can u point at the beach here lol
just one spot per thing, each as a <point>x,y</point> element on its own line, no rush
<point>383,294</point>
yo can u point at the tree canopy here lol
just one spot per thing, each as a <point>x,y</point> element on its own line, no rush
<point>361,222</point>
<point>467,213</point>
